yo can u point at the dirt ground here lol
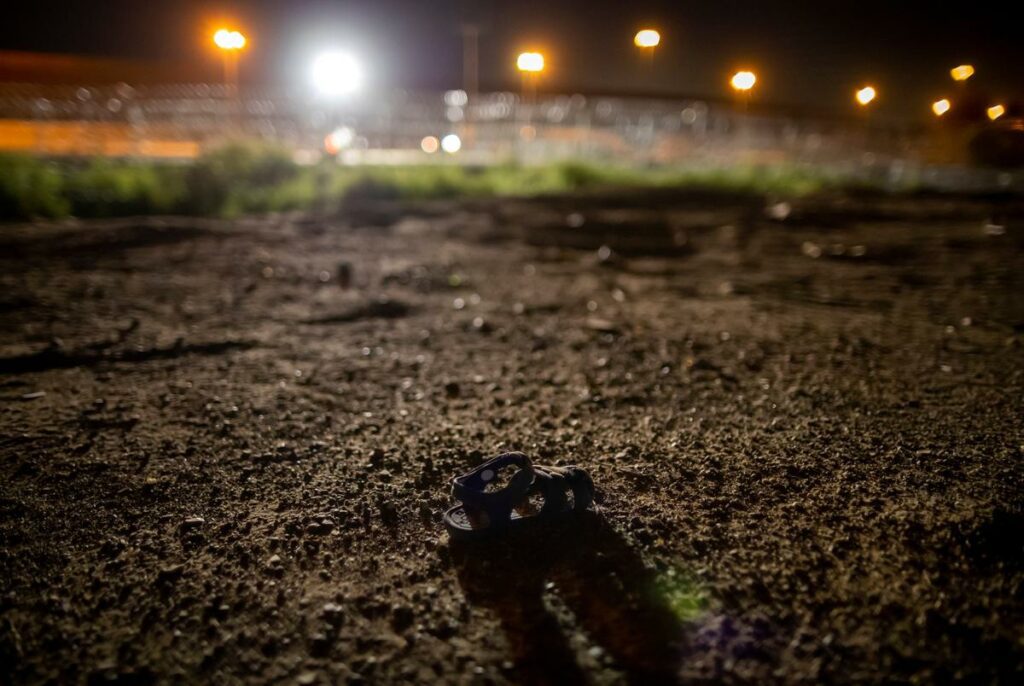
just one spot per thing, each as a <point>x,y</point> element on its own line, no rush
<point>225,446</point>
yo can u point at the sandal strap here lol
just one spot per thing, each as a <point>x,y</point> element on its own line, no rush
<point>575,478</point>
<point>470,488</point>
<point>552,485</point>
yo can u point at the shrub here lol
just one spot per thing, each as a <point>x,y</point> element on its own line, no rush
<point>30,188</point>
<point>237,177</point>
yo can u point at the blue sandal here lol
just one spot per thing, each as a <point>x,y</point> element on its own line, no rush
<point>483,513</point>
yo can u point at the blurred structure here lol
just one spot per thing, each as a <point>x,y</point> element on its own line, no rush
<point>179,122</point>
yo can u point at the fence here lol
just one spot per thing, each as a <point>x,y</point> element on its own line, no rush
<point>179,121</point>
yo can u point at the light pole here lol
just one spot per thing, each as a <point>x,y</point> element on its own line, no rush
<point>530,65</point>
<point>647,40</point>
<point>230,43</point>
<point>742,82</point>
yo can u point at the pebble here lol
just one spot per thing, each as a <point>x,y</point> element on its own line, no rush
<point>192,523</point>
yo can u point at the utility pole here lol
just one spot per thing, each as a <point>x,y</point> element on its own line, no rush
<point>470,76</point>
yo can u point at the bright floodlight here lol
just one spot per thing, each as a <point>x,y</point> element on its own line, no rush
<point>451,143</point>
<point>648,38</point>
<point>530,61</point>
<point>962,73</point>
<point>865,95</point>
<point>225,39</point>
<point>336,74</point>
<point>995,112</point>
<point>940,107</point>
<point>743,80</point>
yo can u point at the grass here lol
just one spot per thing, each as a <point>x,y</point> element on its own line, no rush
<point>250,178</point>
<point>682,595</point>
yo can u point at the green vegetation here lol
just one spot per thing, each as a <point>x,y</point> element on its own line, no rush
<point>682,595</point>
<point>251,178</point>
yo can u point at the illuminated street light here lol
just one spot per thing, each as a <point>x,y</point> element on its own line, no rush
<point>865,95</point>
<point>743,80</point>
<point>647,38</point>
<point>940,107</point>
<point>962,73</point>
<point>995,112</point>
<point>226,39</point>
<point>230,43</point>
<point>336,74</point>
<point>532,62</point>
<point>530,65</point>
<point>451,143</point>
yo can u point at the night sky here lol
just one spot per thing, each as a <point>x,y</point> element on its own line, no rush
<point>805,53</point>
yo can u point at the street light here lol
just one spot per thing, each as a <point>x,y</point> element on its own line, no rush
<point>531,62</point>
<point>743,80</point>
<point>530,65</point>
<point>336,74</point>
<point>647,38</point>
<point>226,39</point>
<point>230,43</point>
<point>995,112</point>
<point>962,72</point>
<point>940,107</point>
<point>865,95</point>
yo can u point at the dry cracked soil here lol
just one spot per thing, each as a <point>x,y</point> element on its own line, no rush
<point>226,446</point>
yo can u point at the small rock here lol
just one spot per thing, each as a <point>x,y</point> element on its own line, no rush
<point>344,275</point>
<point>333,614</point>
<point>192,523</point>
<point>169,575</point>
<point>319,645</point>
<point>402,617</point>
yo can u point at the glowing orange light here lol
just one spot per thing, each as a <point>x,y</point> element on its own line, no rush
<point>995,112</point>
<point>962,73</point>
<point>647,38</point>
<point>743,80</point>
<point>430,144</point>
<point>530,61</point>
<point>940,107</point>
<point>866,94</point>
<point>226,39</point>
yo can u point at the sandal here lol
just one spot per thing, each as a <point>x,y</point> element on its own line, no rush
<point>483,512</point>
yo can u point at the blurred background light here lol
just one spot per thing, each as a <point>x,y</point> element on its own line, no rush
<point>647,38</point>
<point>226,39</point>
<point>338,140</point>
<point>336,74</point>
<point>962,72</point>
<point>456,98</point>
<point>530,61</point>
<point>995,112</point>
<point>866,94</point>
<point>940,107</point>
<point>429,144</point>
<point>451,143</point>
<point>743,80</point>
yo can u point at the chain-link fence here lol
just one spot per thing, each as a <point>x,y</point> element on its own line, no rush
<point>180,121</point>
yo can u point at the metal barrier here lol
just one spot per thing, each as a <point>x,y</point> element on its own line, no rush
<point>180,121</point>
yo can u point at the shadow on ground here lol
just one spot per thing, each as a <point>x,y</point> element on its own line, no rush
<point>633,613</point>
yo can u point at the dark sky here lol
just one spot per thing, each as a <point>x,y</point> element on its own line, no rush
<point>804,52</point>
